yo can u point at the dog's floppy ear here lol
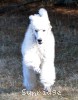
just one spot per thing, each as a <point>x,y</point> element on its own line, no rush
<point>31,17</point>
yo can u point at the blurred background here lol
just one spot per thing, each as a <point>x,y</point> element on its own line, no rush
<point>63,15</point>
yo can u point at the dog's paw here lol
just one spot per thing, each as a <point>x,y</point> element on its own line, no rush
<point>48,89</point>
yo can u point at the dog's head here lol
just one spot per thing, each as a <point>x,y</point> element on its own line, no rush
<point>40,25</point>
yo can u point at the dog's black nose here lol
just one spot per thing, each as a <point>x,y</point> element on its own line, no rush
<point>40,41</point>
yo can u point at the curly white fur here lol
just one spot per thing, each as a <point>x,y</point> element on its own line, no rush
<point>38,51</point>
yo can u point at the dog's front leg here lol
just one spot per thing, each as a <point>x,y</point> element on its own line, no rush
<point>47,76</point>
<point>29,78</point>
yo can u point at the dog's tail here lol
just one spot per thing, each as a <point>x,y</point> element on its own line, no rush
<point>43,12</point>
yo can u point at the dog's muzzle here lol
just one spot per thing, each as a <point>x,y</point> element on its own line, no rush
<point>39,41</point>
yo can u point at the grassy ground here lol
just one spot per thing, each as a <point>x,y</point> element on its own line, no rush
<point>12,29</point>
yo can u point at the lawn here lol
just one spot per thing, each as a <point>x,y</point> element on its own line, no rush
<point>12,28</point>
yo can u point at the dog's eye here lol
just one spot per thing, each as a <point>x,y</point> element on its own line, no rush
<point>36,30</point>
<point>43,30</point>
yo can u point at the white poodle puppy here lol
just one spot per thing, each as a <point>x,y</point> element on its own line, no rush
<point>38,52</point>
